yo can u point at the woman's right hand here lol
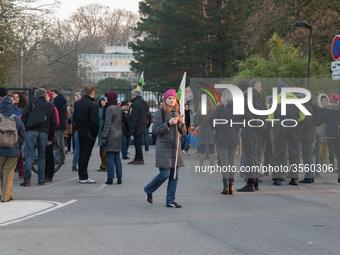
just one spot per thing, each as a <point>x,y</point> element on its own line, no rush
<point>173,121</point>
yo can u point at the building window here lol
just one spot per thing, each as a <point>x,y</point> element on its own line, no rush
<point>119,63</point>
<point>111,63</point>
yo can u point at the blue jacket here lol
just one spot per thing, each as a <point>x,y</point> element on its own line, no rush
<point>61,104</point>
<point>7,109</point>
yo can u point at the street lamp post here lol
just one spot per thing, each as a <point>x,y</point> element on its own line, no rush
<point>305,24</point>
<point>21,55</point>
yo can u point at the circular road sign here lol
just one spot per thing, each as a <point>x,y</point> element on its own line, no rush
<point>336,47</point>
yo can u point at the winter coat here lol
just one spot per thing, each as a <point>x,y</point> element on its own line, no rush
<point>61,104</point>
<point>126,119</point>
<point>307,128</point>
<point>113,129</point>
<point>86,116</point>
<point>226,136</point>
<point>167,139</point>
<point>101,108</point>
<point>7,109</point>
<point>254,131</point>
<point>139,116</point>
<point>321,129</point>
<point>206,133</point>
<point>332,121</point>
<point>49,126</point>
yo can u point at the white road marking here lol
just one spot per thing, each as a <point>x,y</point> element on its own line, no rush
<point>50,184</point>
<point>17,211</point>
<point>100,187</point>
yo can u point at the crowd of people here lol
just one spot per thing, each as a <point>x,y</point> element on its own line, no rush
<point>45,120</point>
<point>281,144</point>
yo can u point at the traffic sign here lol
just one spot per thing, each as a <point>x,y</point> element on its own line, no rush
<point>336,75</point>
<point>336,47</point>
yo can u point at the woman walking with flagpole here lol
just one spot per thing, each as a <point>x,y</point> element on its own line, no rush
<point>168,126</point>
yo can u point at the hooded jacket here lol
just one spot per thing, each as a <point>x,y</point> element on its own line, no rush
<point>61,104</point>
<point>101,121</point>
<point>332,121</point>
<point>7,109</point>
<point>321,129</point>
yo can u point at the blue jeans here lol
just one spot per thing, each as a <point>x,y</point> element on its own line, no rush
<point>146,142</point>
<point>184,142</point>
<point>76,149</point>
<point>125,145</point>
<point>138,146</point>
<point>158,181</point>
<point>307,150</point>
<point>113,159</point>
<point>35,138</point>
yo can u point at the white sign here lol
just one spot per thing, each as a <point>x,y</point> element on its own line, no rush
<point>336,75</point>
<point>335,66</point>
<point>188,94</point>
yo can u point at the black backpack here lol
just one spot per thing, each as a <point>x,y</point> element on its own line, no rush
<point>154,137</point>
<point>318,116</point>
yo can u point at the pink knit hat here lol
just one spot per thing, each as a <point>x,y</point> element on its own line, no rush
<point>334,97</point>
<point>50,94</point>
<point>170,92</point>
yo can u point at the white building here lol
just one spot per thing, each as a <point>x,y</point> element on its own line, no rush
<point>114,63</point>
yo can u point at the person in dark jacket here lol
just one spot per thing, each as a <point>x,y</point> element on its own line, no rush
<point>9,155</point>
<point>61,104</point>
<point>138,126</point>
<point>251,139</point>
<point>283,135</point>
<point>124,106</point>
<point>227,139</point>
<point>103,165</point>
<point>332,131</point>
<point>307,138</point>
<point>86,117</point>
<point>184,138</point>
<point>112,137</point>
<point>40,136</point>
<point>168,132</point>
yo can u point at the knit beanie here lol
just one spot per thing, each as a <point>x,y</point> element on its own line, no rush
<point>3,92</point>
<point>170,92</point>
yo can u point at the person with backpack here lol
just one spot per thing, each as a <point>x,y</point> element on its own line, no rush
<point>40,121</point>
<point>307,138</point>
<point>168,130</point>
<point>322,101</point>
<point>14,132</point>
<point>332,131</point>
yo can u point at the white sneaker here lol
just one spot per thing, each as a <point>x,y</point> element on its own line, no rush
<point>185,153</point>
<point>88,181</point>
<point>147,152</point>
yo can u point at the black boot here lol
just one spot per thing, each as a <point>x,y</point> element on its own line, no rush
<point>277,182</point>
<point>293,182</point>
<point>109,181</point>
<point>119,180</point>
<point>248,188</point>
<point>26,182</point>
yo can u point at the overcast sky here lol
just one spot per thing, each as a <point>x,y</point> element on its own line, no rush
<point>70,6</point>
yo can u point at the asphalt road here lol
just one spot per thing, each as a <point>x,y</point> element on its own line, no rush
<point>66,217</point>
